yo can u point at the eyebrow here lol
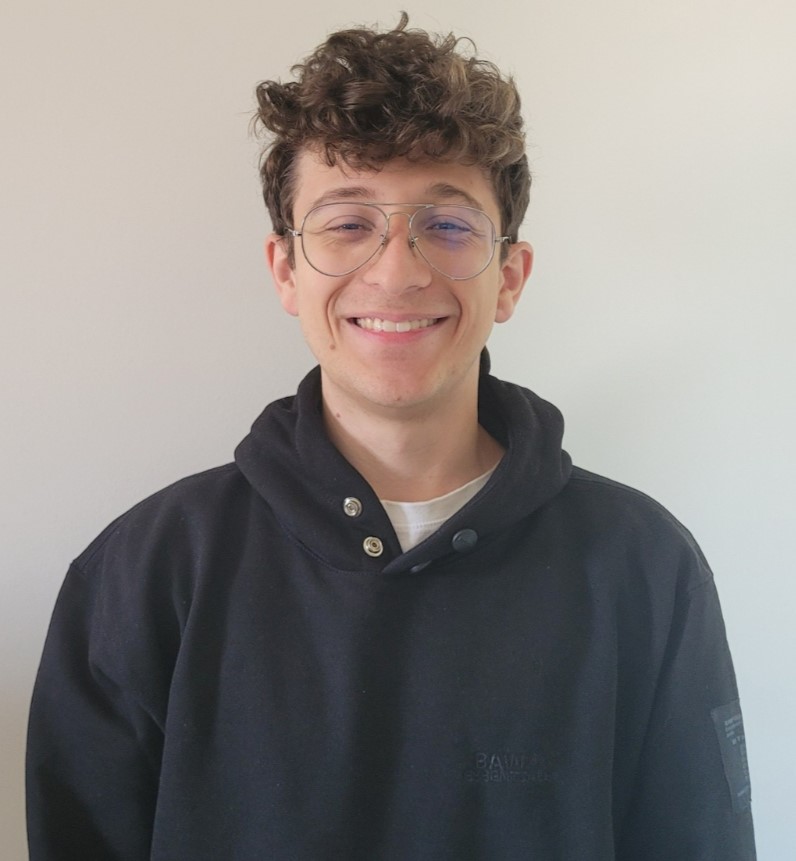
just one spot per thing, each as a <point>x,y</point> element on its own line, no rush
<point>434,192</point>
<point>344,192</point>
<point>446,191</point>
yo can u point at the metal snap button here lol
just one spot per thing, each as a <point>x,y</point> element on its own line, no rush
<point>464,540</point>
<point>352,506</point>
<point>373,546</point>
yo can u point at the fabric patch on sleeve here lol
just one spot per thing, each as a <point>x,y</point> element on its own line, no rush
<point>728,722</point>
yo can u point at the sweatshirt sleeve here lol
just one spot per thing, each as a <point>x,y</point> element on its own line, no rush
<point>94,739</point>
<point>691,798</point>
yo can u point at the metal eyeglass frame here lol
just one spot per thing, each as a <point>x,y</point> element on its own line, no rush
<point>412,238</point>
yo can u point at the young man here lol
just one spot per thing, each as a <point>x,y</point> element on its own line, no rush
<point>401,625</point>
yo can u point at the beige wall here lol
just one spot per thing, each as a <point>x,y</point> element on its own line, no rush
<point>139,335</point>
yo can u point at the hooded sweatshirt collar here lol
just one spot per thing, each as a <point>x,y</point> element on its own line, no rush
<point>329,509</point>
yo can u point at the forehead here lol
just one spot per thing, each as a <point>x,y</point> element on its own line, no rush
<point>397,181</point>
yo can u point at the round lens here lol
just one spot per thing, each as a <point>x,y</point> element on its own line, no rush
<point>457,241</point>
<point>340,237</point>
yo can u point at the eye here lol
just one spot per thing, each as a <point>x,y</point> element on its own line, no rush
<point>335,215</point>
<point>450,227</point>
<point>445,223</point>
<point>349,226</point>
<point>335,224</point>
<point>348,231</point>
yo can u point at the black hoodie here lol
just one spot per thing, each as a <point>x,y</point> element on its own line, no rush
<point>246,666</point>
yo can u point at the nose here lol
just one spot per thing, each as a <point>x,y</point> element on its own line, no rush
<point>398,266</point>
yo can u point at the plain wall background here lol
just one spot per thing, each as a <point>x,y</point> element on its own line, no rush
<point>140,335</point>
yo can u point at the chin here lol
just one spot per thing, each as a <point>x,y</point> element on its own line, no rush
<point>397,396</point>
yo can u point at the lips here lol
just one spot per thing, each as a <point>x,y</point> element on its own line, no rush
<point>378,324</point>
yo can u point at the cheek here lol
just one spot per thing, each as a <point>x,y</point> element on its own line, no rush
<point>314,304</point>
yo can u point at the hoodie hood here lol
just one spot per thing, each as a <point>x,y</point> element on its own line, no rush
<point>290,462</point>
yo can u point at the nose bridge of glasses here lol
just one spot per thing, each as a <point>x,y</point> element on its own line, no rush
<point>388,216</point>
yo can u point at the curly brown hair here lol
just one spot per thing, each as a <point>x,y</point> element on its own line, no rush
<point>365,97</point>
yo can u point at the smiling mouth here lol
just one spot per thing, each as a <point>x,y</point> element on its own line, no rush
<point>377,324</point>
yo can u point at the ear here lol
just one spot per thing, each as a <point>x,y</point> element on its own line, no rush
<point>514,272</point>
<point>283,274</point>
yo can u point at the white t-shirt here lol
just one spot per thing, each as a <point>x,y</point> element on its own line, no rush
<point>413,522</point>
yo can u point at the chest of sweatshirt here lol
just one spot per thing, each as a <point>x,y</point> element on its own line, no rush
<point>492,674</point>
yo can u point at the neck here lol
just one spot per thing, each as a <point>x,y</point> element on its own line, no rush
<point>418,457</point>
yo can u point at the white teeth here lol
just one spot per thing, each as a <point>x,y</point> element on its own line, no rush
<point>376,324</point>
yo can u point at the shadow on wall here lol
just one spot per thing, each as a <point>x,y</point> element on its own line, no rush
<point>13,729</point>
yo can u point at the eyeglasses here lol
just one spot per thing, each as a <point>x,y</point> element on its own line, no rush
<point>339,238</point>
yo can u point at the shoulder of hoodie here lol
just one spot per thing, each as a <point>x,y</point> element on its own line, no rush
<point>632,517</point>
<point>183,507</point>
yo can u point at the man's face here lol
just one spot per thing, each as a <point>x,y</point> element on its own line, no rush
<point>368,365</point>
